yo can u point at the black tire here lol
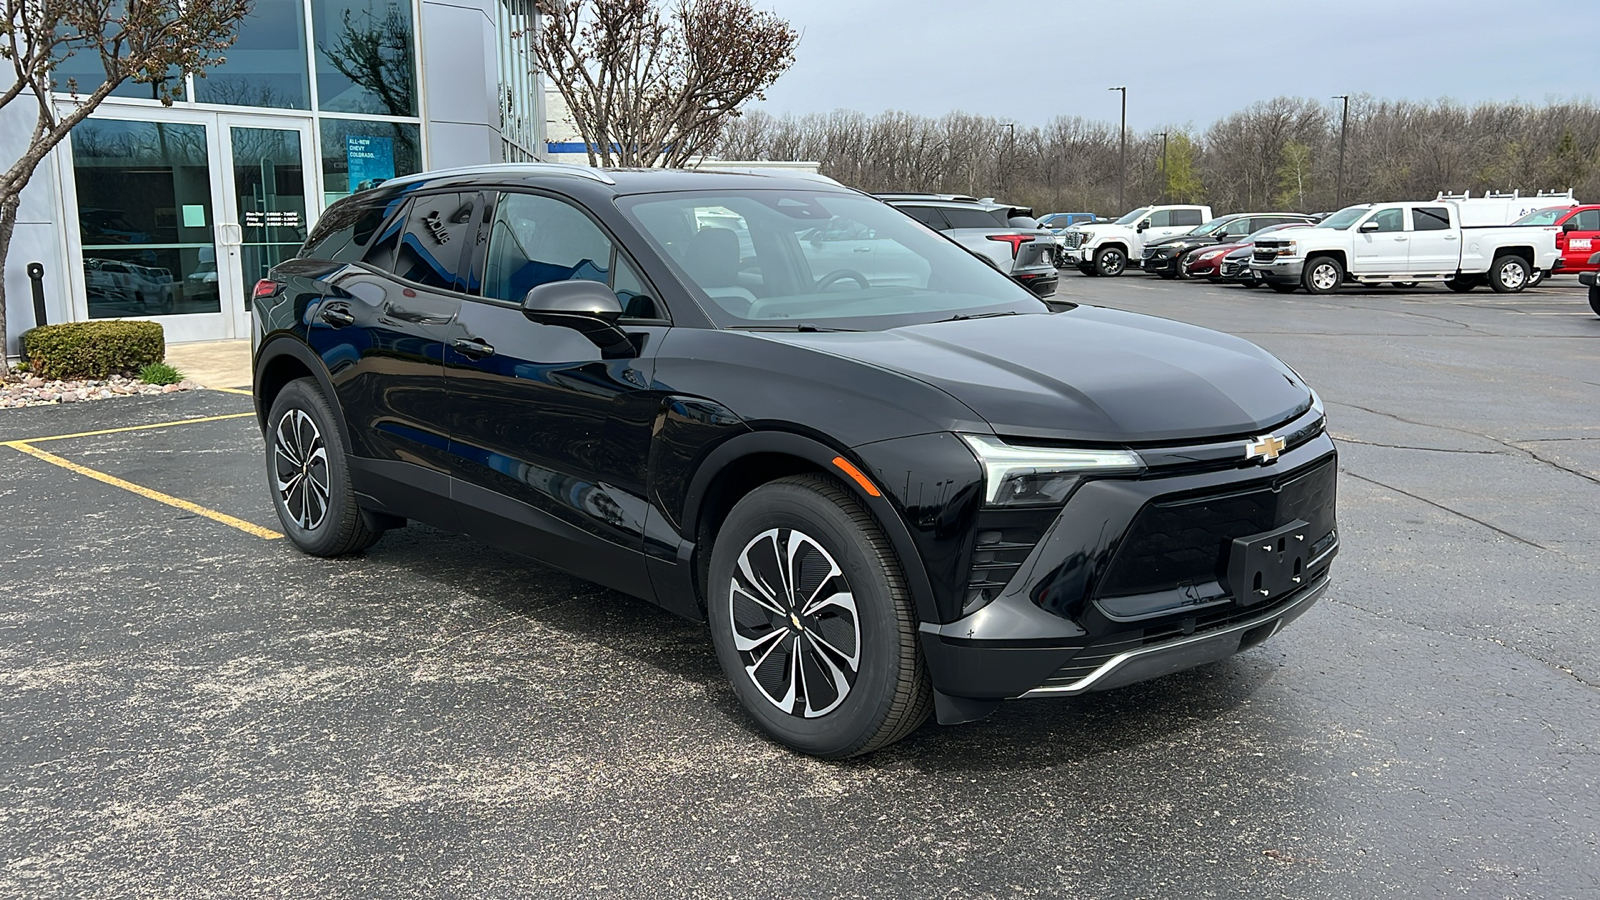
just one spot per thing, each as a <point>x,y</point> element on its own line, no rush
<point>1534,278</point>
<point>1404,284</point>
<point>1594,298</point>
<point>889,695</point>
<point>1283,288</point>
<point>1322,275</point>
<point>1461,284</point>
<point>1110,261</point>
<point>1509,274</point>
<point>303,439</point>
<point>1088,270</point>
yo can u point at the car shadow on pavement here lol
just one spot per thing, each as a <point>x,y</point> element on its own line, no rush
<point>1019,735</point>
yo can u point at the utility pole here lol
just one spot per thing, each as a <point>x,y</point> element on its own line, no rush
<point>1165,179</point>
<point>1122,165</point>
<point>1344,124</point>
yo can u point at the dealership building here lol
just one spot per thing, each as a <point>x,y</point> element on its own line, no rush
<point>172,213</point>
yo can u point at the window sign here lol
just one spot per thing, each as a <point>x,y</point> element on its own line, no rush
<point>370,160</point>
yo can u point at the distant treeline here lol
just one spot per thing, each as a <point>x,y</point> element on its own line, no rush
<point>1279,154</point>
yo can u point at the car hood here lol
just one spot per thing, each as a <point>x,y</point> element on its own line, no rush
<point>1087,374</point>
<point>1193,240</point>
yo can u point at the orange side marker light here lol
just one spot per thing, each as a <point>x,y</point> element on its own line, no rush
<point>856,476</point>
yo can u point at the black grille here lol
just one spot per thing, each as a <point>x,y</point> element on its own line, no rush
<point>1184,539</point>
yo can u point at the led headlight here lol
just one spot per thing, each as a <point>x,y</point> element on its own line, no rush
<point>1211,254</point>
<point>1033,476</point>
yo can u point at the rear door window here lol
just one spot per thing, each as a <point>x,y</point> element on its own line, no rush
<point>1430,218</point>
<point>1189,217</point>
<point>435,244</point>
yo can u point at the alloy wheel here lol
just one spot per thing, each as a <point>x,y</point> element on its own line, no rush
<point>1513,275</point>
<point>300,469</point>
<point>795,624</point>
<point>1325,277</point>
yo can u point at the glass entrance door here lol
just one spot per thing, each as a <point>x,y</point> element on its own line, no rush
<point>267,202</point>
<point>180,213</point>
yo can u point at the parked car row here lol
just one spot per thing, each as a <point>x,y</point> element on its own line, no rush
<point>1007,236</point>
<point>1505,241</point>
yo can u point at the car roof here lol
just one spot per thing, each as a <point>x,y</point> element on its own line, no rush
<point>618,181</point>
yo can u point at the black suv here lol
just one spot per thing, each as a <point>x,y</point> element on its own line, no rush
<point>890,494</point>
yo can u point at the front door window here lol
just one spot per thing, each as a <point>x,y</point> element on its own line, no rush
<point>145,218</point>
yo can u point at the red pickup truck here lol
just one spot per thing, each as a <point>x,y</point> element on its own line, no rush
<point>1578,239</point>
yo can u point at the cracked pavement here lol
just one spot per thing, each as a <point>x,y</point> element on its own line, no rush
<point>192,711</point>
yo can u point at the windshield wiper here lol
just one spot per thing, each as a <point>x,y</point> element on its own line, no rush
<point>798,326</point>
<point>988,315</point>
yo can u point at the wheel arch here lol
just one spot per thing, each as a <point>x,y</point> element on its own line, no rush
<point>282,360</point>
<point>745,462</point>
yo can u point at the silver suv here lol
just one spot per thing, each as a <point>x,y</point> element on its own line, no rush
<point>1006,235</point>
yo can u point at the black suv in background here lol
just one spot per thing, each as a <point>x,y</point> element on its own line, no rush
<point>890,493</point>
<point>1009,236</point>
<point>1165,257</point>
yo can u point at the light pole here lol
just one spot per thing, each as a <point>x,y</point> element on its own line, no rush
<point>1122,164</point>
<point>1165,179</point>
<point>1344,124</point>
<point>1011,150</point>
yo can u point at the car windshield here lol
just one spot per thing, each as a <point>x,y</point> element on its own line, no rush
<point>1212,226</point>
<point>1251,237</point>
<point>1344,218</point>
<point>1542,216</point>
<point>793,260</point>
<point>1132,217</point>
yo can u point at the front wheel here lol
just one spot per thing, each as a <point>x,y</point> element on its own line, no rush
<point>812,620</point>
<point>1594,298</point>
<point>1110,261</point>
<point>1323,275</point>
<point>309,476</point>
<point>1509,274</point>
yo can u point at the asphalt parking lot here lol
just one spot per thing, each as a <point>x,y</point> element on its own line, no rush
<point>191,708</point>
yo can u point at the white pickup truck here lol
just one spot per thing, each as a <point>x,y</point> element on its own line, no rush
<point>1105,249</point>
<point>1403,242</point>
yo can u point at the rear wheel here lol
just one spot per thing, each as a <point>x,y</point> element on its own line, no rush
<point>1594,298</point>
<point>1509,274</point>
<point>310,477</point>
<point>812,620</point>
<point>1110,261</point>
<point>1535,277</point>
<point>1323,275</point>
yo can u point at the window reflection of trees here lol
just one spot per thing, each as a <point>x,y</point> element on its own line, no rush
<point>375,53</point>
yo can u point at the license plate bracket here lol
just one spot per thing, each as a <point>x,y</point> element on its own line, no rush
<point>1268,565</point>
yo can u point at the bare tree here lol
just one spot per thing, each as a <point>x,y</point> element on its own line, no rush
<point>648,85</point>
<point>137,40</point>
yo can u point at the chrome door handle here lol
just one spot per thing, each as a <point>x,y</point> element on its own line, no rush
<point>472,348</point>
<point>337,316</point>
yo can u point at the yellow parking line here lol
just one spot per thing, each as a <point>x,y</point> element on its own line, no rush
<point>62,437</point>
<point>242,391</point>
<point>141,490</point>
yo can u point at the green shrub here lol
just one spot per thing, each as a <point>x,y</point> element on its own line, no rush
<point>160,373</point>
<point>92,349</point>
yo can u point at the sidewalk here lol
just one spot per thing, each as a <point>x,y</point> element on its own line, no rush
<point>215,364</point>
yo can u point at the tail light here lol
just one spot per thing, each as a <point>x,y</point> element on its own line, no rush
<point>266,287</point>
<point>1015,240</point>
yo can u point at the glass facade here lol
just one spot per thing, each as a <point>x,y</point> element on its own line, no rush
<point>521,97</point>
<point>270,194</point>
<point>366,57</point>
<point>360,153</point>
<point>145,218</point>
<point>267,65</point>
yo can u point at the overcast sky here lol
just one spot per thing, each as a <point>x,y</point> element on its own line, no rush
<point>1182,62</point>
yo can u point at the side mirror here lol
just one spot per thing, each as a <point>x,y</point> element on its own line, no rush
<point>1570,225</point>
<point>1368,226</point>
<point>1143,224</point>
<point>588,307</point>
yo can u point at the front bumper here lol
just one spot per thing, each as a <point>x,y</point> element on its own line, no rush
<point>1159,262</point>
<point>1279,271</point>
<point>1054,628</point>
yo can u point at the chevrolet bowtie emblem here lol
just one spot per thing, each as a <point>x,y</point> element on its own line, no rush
<point>1265,449</point>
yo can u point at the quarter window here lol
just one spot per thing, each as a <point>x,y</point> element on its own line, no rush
<point>928,216</point>
<point>1430,218</point>
<point>961,217</point>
